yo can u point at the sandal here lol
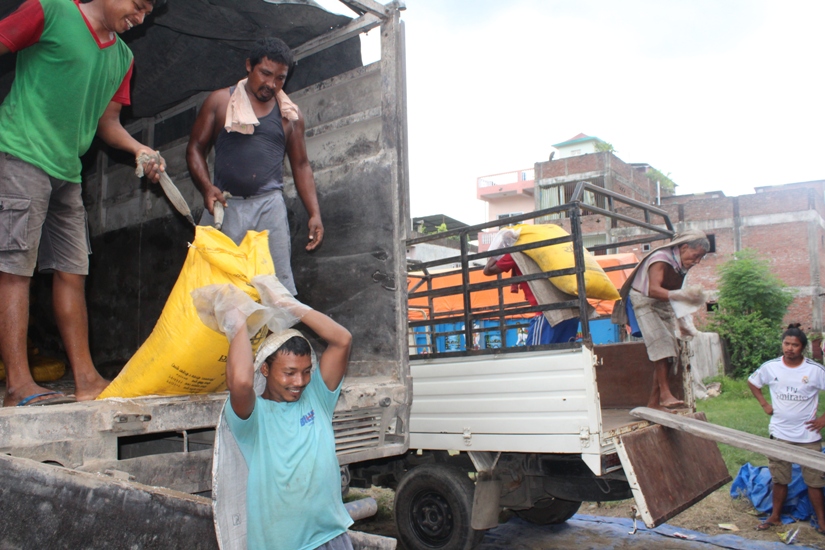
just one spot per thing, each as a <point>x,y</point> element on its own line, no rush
<point>46,398</point>
<point>767,525</point>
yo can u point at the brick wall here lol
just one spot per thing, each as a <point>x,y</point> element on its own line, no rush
<point>784,224</point>
<point>618,175</point>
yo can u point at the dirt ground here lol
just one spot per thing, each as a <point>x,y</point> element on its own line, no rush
<point>704,517</point>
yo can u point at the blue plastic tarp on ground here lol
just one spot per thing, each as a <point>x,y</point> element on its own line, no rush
<point>754,483</point>
<point>585,532</point>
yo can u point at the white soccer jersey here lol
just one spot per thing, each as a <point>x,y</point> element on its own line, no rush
<point>794,397</point>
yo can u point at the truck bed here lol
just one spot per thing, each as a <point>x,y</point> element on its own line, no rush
<point>570,400</point>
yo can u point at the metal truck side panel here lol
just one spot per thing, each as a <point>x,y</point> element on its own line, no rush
<point>516,399</point>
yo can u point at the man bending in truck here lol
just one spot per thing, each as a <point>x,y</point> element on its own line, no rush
<point>540,331</point>
<point>252,125</point>
<point>656,281</point>
<point>285,434</point>
<point>795,383</point>
<point>71,79</point>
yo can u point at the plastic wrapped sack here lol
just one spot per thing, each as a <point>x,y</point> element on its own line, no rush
<point>560,256</point>
<point>183,355</point>
<point>227,309</point>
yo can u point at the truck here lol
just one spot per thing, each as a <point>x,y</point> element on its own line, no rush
<point>533,429</point>
<point>137,472</point>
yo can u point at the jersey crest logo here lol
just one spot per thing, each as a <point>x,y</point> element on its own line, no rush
<point>804,379</point>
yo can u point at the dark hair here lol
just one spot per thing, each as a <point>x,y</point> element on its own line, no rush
<point>294,346</point>
<point>796,332</point>
<point>271,48</point>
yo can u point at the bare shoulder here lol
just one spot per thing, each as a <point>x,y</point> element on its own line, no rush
<point>216,100</point>
<point>294,129</point>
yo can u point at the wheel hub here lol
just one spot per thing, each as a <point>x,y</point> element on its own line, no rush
<point>433,518</point>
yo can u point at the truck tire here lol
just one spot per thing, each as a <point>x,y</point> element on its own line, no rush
<point>433,508</point>
<point>549,511</point>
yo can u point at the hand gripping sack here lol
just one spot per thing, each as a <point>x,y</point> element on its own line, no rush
<point>182,355</point>
<point>560,256</point>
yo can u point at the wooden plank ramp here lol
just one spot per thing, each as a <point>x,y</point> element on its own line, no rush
<point>742,440</point>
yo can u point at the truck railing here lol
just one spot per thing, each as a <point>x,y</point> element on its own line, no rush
<point>440,332</point>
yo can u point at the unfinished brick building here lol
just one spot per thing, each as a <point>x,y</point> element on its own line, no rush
<point>783,223</point>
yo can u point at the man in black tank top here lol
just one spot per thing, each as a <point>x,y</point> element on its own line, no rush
<point>252,126</point>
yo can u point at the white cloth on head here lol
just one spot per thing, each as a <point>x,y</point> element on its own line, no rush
<point>503,239</point>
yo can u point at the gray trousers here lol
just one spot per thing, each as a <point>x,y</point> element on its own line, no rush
<point>341,542</point>
<point>259,213</point>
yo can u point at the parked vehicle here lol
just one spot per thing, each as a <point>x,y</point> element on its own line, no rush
<point>536,430</point>
<point>136,473</point>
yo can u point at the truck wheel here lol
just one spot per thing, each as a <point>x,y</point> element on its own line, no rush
<point>548,511</point>
<point>433,507</point>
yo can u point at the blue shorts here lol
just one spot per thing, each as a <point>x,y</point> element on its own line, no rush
<point>540,332</point>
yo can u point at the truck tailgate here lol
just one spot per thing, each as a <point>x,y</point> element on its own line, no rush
<point>669,470</point>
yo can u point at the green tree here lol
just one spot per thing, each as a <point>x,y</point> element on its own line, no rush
<point>752,302</point>
<point>605,147</point>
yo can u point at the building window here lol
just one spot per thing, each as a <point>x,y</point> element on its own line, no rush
<point>711,307</point>
<point>646,247</point>
<point>712,241</point>
<point>575,152</point>
<point>510,215</point>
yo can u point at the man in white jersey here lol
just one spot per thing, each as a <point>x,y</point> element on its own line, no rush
<point>794,383</point>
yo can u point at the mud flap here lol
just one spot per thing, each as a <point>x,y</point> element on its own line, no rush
<point>669,470</point>
<point>486,506</point>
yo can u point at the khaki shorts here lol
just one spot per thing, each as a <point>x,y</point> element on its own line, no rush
<point>781,470</point>
<point>42,221</point>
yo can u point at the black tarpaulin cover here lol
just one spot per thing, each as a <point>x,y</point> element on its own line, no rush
<point>190,46</point>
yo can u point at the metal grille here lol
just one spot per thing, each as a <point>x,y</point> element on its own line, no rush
<point>357,430</point>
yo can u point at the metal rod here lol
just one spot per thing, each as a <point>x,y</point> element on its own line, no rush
<point>490,253</point>
<point>495,223</point>
<point>476,287</point>
<point>491,314</point>
<point>583,185</point>
<point>465,282</point>
<point>640,240</point>
<point>578,255</point>
<point>628,219</point>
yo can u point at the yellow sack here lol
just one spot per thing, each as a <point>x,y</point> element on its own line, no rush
<point>43,369</point>
<point>182,355</point>
<point>596,283</point>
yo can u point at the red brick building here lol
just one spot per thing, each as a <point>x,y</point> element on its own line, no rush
<point>783,223</point>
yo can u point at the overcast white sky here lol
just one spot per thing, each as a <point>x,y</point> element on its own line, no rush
<point>721,94</point>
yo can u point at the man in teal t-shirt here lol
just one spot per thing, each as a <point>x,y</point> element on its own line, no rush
<point>71,79</point>
<point>285,434</point>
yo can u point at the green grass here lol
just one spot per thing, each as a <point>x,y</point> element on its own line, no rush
<point>737,408</point>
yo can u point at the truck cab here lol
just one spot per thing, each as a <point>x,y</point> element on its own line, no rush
<point>137,472</point>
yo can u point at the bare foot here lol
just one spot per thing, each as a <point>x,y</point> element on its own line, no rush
<point>15,396</point>
<point>87,391</point>
<point>671,402</point>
